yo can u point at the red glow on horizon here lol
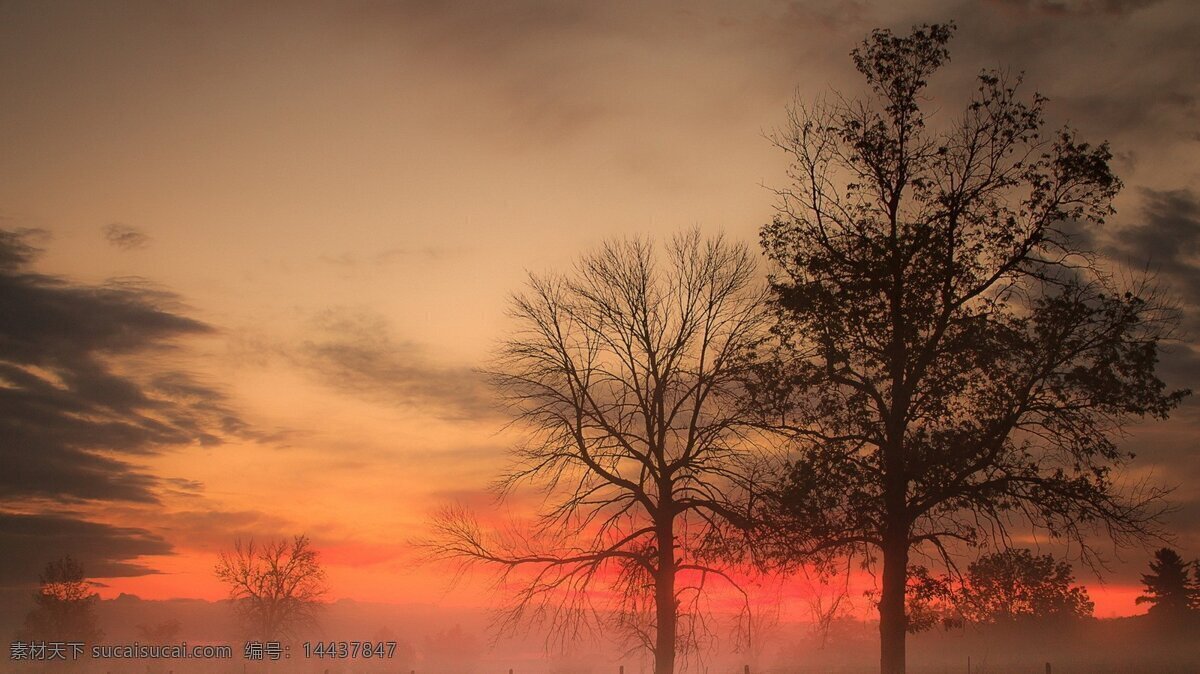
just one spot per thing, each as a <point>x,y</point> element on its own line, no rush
<point>371,574</point>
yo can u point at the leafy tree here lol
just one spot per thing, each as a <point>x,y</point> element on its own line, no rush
<point>1170,591</point>
<point>1016,585</point>
<point>952,362</point>
<point>626,376</point>
<point>276,588</point>
<point>929,601</point>
<point>65,606</point>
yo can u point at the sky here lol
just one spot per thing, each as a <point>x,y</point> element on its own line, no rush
<point>266,246</point>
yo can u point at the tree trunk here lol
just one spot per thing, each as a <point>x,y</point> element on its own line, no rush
<point>664,600</point>
<point>893,624</point>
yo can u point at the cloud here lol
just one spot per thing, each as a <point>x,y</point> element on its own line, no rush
<point>1069,7</point>
<point>29,541</point>
<point>353,351</point>
<point>18,247</point>
<point>1166,242</point>
<point>1148,99</point>
<point>1167,239</point>
<point>215,529</point>
<point>125,237</point>
<point>75,414</point>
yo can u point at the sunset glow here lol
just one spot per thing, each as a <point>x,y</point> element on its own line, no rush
<point>329,205</point>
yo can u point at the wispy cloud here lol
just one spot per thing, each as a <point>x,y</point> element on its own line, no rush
<point>354,351</point>
<point>216,529</point>
<point>125,236</point>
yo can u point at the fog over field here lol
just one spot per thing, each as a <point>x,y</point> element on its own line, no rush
<point>442,641</point>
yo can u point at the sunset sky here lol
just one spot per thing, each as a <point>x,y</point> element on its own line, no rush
<point>288,231</point>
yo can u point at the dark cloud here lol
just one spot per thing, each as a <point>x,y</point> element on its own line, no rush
<point>104,551</point>
<point>1116,70</point>
<point>1069,7</point>
<point>1110,71</point>
<point>75,414</point>
<point>125,237</point>
<point>17,247</point>
<point>353,351</point>
<point>1167,240</point>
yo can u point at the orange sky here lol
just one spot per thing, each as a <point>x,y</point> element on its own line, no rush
<point>375,178</point>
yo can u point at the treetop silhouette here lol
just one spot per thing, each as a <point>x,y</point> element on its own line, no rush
<point>1015,586</point>
<point>1170,589</point>
<point>276,587</point>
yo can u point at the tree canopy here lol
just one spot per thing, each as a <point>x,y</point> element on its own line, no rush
<point>1017,586</point>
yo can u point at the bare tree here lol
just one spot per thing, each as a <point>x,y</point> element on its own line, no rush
<point>276,588</point>
<point>953,363</point>
<point>625,376</point>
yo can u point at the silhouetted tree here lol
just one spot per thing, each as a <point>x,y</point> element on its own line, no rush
<point>65,606</point>
<point>953,363</point>
<point>1015,585</point>
<point>1170,590</point>
<point>1003,588</point>
<point>929,601</point>
<point>1196,585</point>
<point>276,588</point>
<point>626,374</point>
